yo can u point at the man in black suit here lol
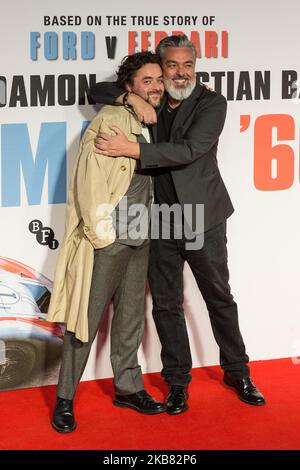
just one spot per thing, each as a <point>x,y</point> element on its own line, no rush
<point>184,164</point>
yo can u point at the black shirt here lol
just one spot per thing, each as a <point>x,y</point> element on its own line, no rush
<point>164,189</point>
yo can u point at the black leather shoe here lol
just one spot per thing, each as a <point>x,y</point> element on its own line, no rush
<point>176,401</point>
<point>246,390</point>
<point>63,416</point>
<point>141,402</point>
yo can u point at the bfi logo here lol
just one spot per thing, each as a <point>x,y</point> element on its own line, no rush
<point>44,235</point>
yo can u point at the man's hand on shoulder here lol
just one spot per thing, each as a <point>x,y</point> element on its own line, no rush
<point>116,145</point>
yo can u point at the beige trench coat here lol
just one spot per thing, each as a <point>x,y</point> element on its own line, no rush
<point>97,184</point>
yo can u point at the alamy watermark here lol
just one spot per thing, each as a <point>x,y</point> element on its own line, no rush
<point>160,221</point>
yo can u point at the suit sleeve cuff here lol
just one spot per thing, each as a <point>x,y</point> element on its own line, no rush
<point>146,158</point>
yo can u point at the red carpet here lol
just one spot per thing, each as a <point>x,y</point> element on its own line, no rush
<point>216,419</point>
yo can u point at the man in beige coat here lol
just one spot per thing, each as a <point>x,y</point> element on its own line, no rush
<point>103,256</point>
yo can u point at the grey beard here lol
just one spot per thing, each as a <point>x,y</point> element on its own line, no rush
<point>180,94</point>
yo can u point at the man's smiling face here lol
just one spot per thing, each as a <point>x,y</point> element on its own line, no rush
<point>179,72</point>
<point>148,84</point>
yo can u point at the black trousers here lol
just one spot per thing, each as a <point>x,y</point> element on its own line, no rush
<point>209,266</point>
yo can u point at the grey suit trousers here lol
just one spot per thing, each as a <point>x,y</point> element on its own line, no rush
<point>119,273</point>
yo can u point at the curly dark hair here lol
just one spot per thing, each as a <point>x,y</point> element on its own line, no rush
<point>132,63</point>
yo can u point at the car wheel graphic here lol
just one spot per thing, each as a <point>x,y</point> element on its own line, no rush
<point>17,362</point>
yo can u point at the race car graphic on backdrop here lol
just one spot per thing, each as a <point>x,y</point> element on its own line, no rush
<point>30,347</point>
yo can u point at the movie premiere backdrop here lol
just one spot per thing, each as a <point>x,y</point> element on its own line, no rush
<point>51,53</point>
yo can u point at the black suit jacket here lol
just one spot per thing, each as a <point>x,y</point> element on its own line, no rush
<point>191,153</point>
